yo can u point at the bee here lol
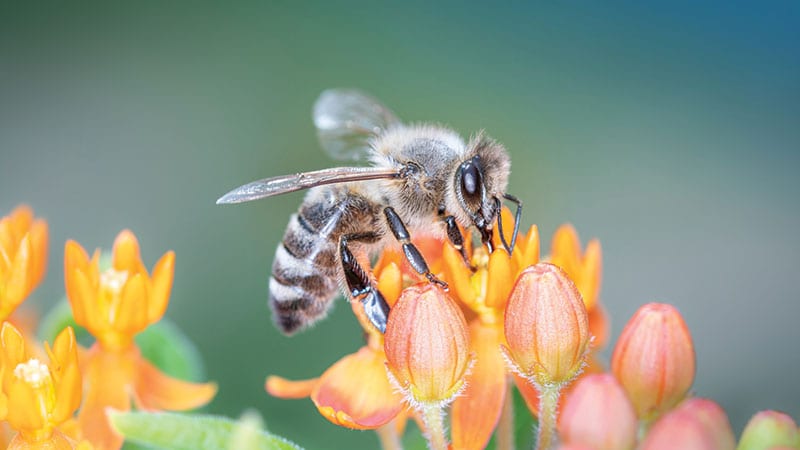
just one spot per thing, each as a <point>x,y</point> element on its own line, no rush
<point>423,179</point>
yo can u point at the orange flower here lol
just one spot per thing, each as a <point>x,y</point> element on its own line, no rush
<point>114,306</point>
<point>546,326</point>
<point>696,424</point>
<point>428,362</point>
<point>585,269</point>
<point>354,392</point>
<point>654,359</point>
<point>598,413</point>
<point>23,257</point>
<point>37,398</point>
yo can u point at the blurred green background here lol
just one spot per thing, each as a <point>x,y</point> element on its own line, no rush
<point>672,133</point>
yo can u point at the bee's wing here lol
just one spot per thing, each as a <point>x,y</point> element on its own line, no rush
<point>346,119</point>
<point>290,183</point>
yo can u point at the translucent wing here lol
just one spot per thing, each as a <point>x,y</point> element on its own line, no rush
<point>346,119</point>
<point>290,183</point>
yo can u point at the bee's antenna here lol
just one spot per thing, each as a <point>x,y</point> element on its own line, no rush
<point>517,217</point>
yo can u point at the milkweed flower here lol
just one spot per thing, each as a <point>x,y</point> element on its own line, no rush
<point>695,424</point>
<point>37,398</point>
<point>355,391</point>
<point>654,359</point>
<point>115,305</point>
<point>23,257</point>
<point>598,413</point>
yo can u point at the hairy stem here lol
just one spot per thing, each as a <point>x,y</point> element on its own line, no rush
<point>548,415</point>
<point>388,436</point>
<point>434,426</point>
<point>505,428</point>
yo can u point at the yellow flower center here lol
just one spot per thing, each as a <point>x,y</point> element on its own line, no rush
<point>113,280</point>
<point>34,373</point>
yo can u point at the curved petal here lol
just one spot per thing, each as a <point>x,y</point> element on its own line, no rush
<point>13,347</point>
<point>390,283</point>
<point>591,273</point>
<point>156,390</point>
<point>81,295</point>
<point>107,378</point>
<point>599,325</point>
<point>126,255</point>
<point>130,315</point>
<point>565,249</point>
<point>18,279</point>
<point>476,411</point>
<point>68,394</point>
<point>529,393</point>
<point>500,280</point>
<point>458,274</point>
<point>39,241</point>
<point>526,252</point>
<point>163,273</point>
<point>356,393</point>
<point>26,408</point>
<point>288,389</point>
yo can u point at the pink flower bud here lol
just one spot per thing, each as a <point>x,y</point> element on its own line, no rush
<point>696,424</point>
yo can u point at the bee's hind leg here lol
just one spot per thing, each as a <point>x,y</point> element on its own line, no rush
<point>413,256</point>
<point>359,283</point>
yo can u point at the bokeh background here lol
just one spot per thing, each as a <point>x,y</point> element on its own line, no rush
<point>670,132</point>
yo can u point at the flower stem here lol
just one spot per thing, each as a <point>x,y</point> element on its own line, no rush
<point>548,414</point>
<point>388,436</point>
<point>434,426</point>
<point>505,428</point>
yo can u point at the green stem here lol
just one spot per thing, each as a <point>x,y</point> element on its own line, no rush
<point>548,414</point>
<point>433,418</point>
<point>505,428</point>
<point>388,436</point>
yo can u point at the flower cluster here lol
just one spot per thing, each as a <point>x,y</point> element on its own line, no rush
<point>513,319</point>
<point>39,400</point>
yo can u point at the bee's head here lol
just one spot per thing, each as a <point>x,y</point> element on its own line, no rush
<point>479,186</point>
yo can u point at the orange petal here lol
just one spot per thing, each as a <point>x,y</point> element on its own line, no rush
<point>76,261</point>
<point>108,381</point>
<point>591,273</point>
<point>39,241</point>
<point>56,441</point>
<point>529,393</point>
<point>288,389</point>
<point>126,253</point>
<point>64,362</point>
<point>565,249</point>
<point>18,279</point>
<point>458,274</point>
<point>155,390</point>
<point>13,347</point>
<point>356,393</point>
<point>476,411</point>
<point>500,280</point>
<point>131,313</point>
<point>390,283</point>
<point>527,252</point>
<point>599,325</point>
<point>163,273</point>
<point>81,295</point>
<point>26,410</point>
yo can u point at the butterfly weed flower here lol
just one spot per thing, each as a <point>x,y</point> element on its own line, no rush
<point>115,305</point>
<point>547,332</point>
<point>654,359</point>
<point>38,398</point>
<point>23,257</point>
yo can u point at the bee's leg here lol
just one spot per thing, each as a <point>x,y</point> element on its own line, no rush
<point>456,238</point>
<point>413,256</point>
<point>359,283</point>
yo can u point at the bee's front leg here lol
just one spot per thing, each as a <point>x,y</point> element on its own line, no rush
<point>413,256</point>
<point>456,238</point>
<point>359,283</point>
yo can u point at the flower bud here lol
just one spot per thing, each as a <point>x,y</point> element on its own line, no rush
<point>427,344</point>
<point>768,429</point>
<point>696,424</point>
<point>598,414</point>
<point>546,326</point>
<point>654,359</point>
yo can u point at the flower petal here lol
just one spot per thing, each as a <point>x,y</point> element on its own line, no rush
<point>26,411</point>
<point>18,279</point>
<point>476,411</point>
<point>458,274</point>
<point>130,316</point>
<point>156,390</point>
<point>526,252</point>
<point>500,280</point>
<point>356,393</point>
<point>390,283</point>
<point>126,253</point>
<point>163,273</point>
<point>107,377</point>
<point>288,389</point>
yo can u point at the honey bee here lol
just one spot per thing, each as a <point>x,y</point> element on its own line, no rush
<point>423,179</point>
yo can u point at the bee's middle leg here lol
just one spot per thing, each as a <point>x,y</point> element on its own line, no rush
<point>359,283</point>
<point>413,256</point>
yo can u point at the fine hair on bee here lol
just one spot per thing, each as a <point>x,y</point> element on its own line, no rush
<point>423,179</point>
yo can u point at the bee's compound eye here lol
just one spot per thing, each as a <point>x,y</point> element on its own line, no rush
<point>469,179</point>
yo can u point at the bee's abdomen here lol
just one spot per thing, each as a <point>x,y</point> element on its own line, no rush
<point>304,274</point>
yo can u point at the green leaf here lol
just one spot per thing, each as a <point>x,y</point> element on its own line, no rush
<point>162,343</point>
<point>170,431</point>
